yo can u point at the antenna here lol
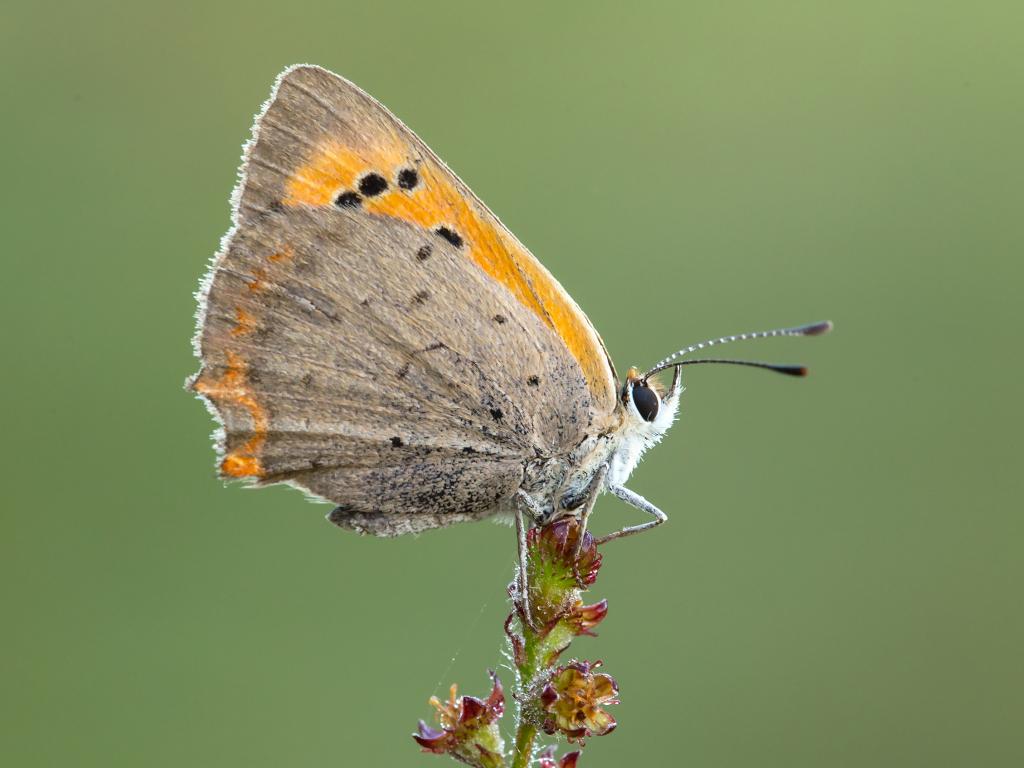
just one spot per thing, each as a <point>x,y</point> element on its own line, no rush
<point>811,329</point>
<point>789,370</point>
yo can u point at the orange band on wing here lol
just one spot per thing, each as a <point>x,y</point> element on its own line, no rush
<point>434,202</point>
<point>245,323</point>
<point>232,387</point>
<point>283,254</point>
<point>258,282</point>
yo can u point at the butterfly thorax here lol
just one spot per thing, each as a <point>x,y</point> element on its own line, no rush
<point>559,485</point>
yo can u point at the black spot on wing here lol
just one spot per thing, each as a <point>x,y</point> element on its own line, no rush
<point>500,319</point>
<point>408,178</point>
<point>533,381</point>
<point>424,252</point>
<point>348,200</point>
<point>396,442</point>
<point>372,184</point>
<point>421,297</point>
<point>497,414</point>
<point>450,235</point>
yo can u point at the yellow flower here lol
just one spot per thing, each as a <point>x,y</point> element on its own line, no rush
<point>573,700</point>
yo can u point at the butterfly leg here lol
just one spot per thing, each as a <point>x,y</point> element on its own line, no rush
<point>638,501</point>
<point>593,491</point>
<point>524,499</point>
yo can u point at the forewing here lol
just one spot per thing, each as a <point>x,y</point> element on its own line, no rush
<point>322,136</point>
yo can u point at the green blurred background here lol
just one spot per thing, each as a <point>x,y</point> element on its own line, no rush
<point>840,583</point>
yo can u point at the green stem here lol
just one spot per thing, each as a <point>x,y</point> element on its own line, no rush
<point>529,671</point>
<point>524,745</point>
<point>526,733</point>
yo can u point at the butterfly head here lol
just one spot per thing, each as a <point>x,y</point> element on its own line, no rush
<point>645,402</point>
<point>649,407</point>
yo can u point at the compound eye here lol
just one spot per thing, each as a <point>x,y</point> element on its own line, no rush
<point>646,401</point>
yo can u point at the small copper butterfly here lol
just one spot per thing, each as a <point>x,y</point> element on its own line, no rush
<point>370,333</point>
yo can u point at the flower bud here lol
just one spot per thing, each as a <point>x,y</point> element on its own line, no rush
<point>546,759</point>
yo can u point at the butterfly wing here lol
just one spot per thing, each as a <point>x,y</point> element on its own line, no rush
<point>372,334</point>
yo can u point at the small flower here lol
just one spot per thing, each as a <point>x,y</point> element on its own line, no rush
<point>583,618</point>
<point>573,700</point>
<point>469,728</point>
<point>578,619</point>
<point>546,759</point>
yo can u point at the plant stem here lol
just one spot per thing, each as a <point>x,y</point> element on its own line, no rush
<point>524,745</point>
<point>529,668</point>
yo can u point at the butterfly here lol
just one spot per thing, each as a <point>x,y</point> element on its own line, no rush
<point>371,334</point>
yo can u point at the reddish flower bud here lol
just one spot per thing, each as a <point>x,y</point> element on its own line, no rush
<point>556,545</point>
<point>546,759</point>
<point>556,572</point>
<point>583,618</point>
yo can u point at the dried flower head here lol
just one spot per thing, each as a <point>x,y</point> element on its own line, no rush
<point>469,728</point>
<point>574,699</point>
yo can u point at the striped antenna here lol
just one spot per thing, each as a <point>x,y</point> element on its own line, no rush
<point>812,329</point>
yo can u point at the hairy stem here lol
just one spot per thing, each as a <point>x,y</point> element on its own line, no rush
<point>528,669</point>
<point>525,737</point>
